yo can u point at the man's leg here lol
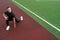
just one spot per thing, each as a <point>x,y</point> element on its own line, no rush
<point>7,25</point>
<point>17,20</point>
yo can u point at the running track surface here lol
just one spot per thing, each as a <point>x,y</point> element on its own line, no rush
<point>25,30</point>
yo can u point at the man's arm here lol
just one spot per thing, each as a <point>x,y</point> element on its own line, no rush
<point>14,22</point>
<point>5,17</point>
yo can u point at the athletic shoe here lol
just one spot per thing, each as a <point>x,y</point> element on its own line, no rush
<point>21,18</point>
<point>7,28</point>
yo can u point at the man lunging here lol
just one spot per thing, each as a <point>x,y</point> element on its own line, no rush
<point>10,16</point>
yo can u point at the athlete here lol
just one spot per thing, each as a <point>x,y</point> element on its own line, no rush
<point>10,16</point>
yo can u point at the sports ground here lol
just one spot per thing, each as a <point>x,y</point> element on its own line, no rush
<point>41,20</point>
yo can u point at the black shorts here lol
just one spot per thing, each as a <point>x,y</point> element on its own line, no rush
<point>16,19</point>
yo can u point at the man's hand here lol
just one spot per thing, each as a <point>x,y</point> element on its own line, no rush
<point>14,22</point>
<point>5,17</point>
<point>14,25</point>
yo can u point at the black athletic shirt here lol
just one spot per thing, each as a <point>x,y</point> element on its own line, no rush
<point>10,15</point>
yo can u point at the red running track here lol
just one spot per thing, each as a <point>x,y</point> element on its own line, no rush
<point>29,29</point>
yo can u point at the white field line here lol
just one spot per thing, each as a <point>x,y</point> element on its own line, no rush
<point>37,15</point>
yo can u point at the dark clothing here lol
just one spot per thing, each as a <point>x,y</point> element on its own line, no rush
<point>10,17</point>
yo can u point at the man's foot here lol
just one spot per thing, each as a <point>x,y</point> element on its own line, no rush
<point>21,18</point>
<point>7,28</point>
